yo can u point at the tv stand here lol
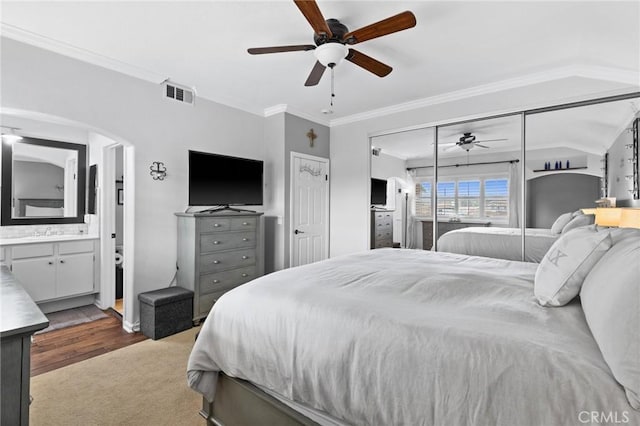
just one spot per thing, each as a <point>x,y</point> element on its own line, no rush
<point>226,208</point>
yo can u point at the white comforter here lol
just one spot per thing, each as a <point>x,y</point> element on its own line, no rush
<point>500,243</point>
<point>410,337</point>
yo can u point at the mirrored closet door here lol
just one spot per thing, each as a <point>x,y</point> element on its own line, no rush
<point>478,192</point>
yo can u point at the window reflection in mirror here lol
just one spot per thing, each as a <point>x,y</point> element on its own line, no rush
<point>479,180</point>
<point>44,181</point>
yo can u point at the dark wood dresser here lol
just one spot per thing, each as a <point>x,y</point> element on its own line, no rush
<point>20,317</point>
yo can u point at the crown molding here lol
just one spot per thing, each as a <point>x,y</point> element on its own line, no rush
<point>275,109</point>
<point>627,77</point>
<point>592,72</point>
<point>280,108</point>
<point>34,39</point>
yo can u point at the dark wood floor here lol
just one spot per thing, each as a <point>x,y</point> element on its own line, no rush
<point>66,346</point>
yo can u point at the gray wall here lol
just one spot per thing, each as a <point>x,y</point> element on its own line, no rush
<point>295,140</point>
<point>551,195</point>
<point>34,179</point>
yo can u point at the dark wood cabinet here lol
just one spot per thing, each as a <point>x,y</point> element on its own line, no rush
<point>443,227</point>
<point>20,318</point>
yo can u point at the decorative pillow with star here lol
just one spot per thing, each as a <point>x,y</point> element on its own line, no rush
<point>565,266</point>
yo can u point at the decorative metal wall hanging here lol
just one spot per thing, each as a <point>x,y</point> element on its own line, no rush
<point>158,170</point>
<point>310,170</point>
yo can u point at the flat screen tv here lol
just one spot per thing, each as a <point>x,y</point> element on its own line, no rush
<point>220,180</point>
<point>378,192</point>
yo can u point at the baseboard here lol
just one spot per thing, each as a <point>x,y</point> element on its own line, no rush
<point>64,304</point>
<point>131,328</point>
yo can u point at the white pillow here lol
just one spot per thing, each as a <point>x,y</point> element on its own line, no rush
<point>610,299</point>
<point>561,222</point>
<point>578,221</point>
<point>564,267</point>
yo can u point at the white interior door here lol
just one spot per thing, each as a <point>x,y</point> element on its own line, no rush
<point>309,209</point>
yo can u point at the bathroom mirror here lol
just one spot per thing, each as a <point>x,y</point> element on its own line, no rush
<point>43,182</point>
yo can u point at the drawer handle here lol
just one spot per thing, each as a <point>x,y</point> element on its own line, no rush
<point>216,242</point>
<point>244,275</point>
<point>216,281</point>
<point>245,257</point>
<point>215,262</point>
<point>216,225</point>
<point>245,239</point>
<point>50,263</point>
<point>245,223</point>
<point>62,261</point>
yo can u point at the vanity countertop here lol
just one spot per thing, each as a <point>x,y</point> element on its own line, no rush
<point>44,239</point>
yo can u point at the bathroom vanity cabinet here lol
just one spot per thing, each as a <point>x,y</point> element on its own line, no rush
<point>51,271</point>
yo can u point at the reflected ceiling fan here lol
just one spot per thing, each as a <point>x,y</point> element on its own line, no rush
<point>468,141</point>
<point>331,39</point>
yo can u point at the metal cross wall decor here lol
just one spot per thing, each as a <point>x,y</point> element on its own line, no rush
<point>312,137</point>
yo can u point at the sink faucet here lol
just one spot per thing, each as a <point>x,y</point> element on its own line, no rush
<point>47,232</point>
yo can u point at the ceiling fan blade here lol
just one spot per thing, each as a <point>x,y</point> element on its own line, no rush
<point>311,11</point>
<point>368,63</point>
<point>492,140</point>
<point>399,22</point>
<point>315,75</point>
<point>446,144</point>
<point>278,49</point>
<point>451,148</point>
<point>481,146</point>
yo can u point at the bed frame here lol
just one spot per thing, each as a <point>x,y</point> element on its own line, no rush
<point>240,403</point>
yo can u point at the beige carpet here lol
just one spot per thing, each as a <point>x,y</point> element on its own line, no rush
<point>141,384</point>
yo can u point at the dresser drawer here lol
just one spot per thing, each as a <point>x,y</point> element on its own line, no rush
<point>383,215</point>
<point>241,223</point>
<point>215,224</point>
<point>75,247</point>
<point>206,302</point>
<point>226,260</point>
<point>384,243</point>
<point>226,241</point>
<point>32,250</point>
<point>226,280</point>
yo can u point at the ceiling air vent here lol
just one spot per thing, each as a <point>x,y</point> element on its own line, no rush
<point>178,93</point>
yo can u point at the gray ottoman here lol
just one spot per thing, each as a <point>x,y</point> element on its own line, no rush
<point>165,312</point>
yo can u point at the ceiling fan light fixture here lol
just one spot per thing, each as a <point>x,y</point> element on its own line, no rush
<point>331,54</point>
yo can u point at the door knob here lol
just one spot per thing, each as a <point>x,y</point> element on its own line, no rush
<point>298,232</point>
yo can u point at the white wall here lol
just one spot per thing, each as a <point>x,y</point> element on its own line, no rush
<point>620,167</point>
<point>132,110</point>
<point>275,194</point>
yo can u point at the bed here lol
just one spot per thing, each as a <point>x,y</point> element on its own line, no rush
<point>500,243</point>
<point>40,207</point>
<point>506,243</point>
<point>395,336</point>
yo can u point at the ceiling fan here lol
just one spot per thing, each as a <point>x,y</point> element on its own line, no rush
<point>468,141</point>
<point>331,38</point>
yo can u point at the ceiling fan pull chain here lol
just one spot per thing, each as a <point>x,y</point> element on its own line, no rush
<point>333,95</point>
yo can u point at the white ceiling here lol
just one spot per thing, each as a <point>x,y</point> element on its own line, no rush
<point>456,46</point>
<point>591,129</point>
